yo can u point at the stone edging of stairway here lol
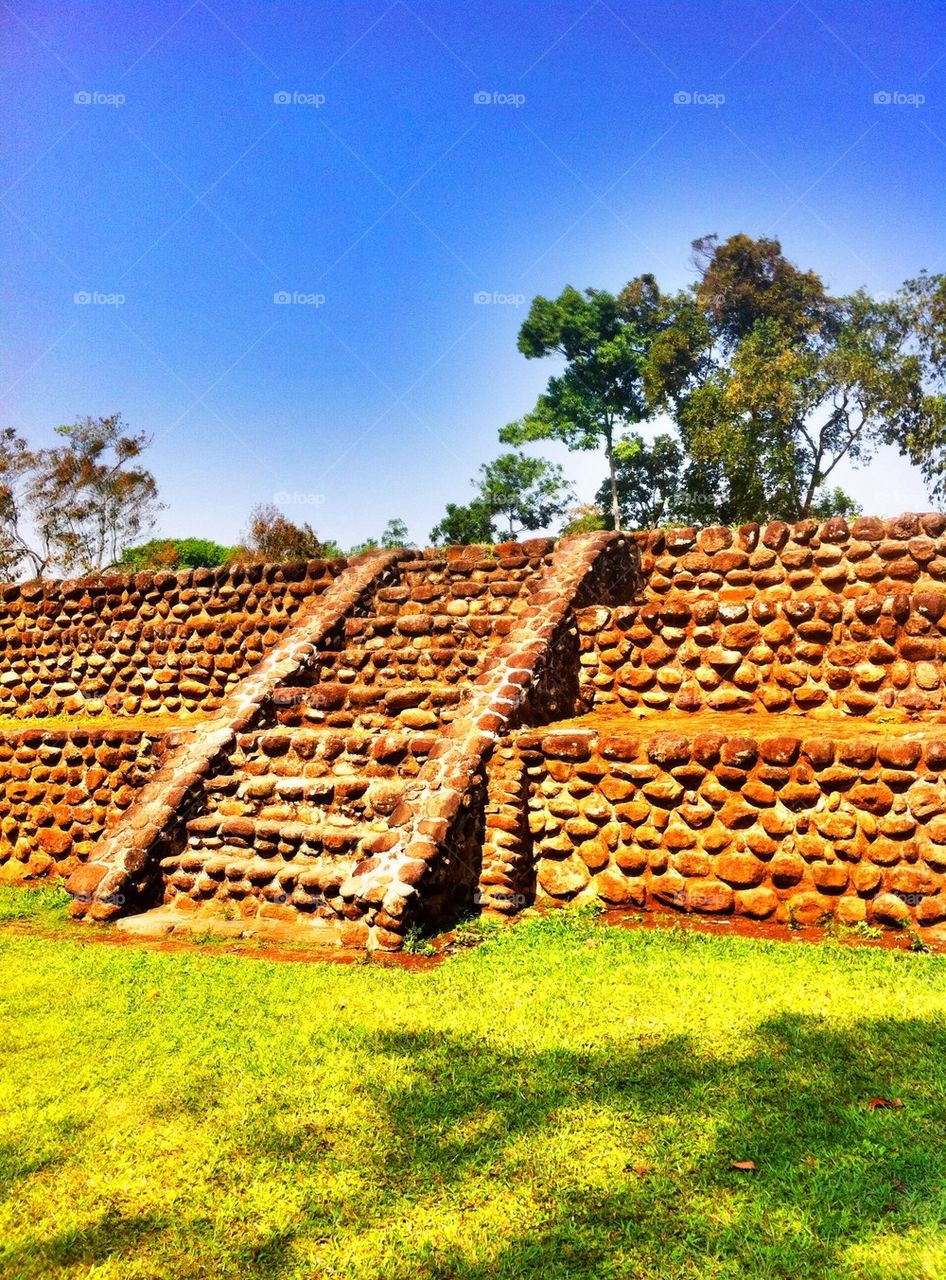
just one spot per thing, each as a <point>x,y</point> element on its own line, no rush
<point>389,886</point>
<point>112,884</point>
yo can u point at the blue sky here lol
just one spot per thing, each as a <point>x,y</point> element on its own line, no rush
<point>383,197</point>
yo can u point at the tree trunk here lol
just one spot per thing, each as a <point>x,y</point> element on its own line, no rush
<point>615,505</point>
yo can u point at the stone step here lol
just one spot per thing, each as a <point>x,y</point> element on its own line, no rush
<point>508,558</point>
<point>227,865</point>
<point>278,840</point>
<point>344,937</point>
<point>288,797</point>
<point>315,752</point>
<point>395,666</point>
<point>426,596</point>
<point>427,630</point>
<point>244,869</point>
<point>418,705</point>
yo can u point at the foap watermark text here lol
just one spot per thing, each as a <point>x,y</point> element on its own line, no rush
<point>485,298</point>
<point>684,98</point>
<point>92,298</point>
<point>293,98</point>
<point>85,98</point>
<point>487,98</point>
<point>295,298</point>
<point>293,498</point>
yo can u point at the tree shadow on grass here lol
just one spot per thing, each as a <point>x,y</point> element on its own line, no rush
<point>46,1150</point>
<point>175,1249</point>
<point>796,1102</point>
<point>460,1122</point>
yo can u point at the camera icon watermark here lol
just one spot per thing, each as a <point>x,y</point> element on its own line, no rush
<point>285,298</point>
<point>485,98</point>
<point>85,298</point>
<point>285,98</point>
<point>896,98</point>
<point>685,98</point>
<point>85,98</point>
<point>692,900</point>
<point>293,498</point>
<point>485,298</point>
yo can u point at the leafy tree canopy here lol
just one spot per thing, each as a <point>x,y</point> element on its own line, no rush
<point>463,525</point>
<point>395,535</point>
<point>72,507</point>
<point>514,493</point>
<point>523,492</point>
<point>650,482</point>
<point>272,537</point>
<point>601,388</point>
<point>772,382</point>
<point>175,553</point>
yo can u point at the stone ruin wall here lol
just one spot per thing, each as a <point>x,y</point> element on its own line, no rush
<point>145,643</point>
<point>767,742</point>
<point>764,741</point>
<point>62,789</point>
<point>765,823</point>
<point>785,618</point>
<point>149,648</point>
<point>393,729</point>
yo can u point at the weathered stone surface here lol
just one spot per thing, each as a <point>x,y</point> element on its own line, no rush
<point>887,909</point>
<point>563,879</point>
<point>397,654</point>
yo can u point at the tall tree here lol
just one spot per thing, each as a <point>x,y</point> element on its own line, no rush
<point>395,535</point>
<point>274,538</point>
<point>523,492</point>
<point>772,382</point>
<point>922,303</point>
<point>89,496</point>
<point>463,525</point>
<point>650,481</point>
<point>516,490</point>
<point>600,389</point>
<point>16,464</point>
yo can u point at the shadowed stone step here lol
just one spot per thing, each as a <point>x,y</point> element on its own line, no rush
<point>198,871</point>
<point>292,797</point>
<point>310,752</point>
<point>389,666</point>
<point>457,628</point>
<point>189,917</point>
<point>413,706</point>
<point>337,835</point>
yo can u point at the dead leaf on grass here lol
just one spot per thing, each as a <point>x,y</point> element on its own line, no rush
<point>876,1103</point>
<point>744,1166</point>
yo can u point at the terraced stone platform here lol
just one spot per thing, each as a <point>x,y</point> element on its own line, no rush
<point>773,817</point>
<point>746,722</point>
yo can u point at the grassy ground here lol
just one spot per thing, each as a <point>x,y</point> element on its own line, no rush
<point>562,1101</point>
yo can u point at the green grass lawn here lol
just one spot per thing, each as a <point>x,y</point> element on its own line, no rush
<point>565,1100</point>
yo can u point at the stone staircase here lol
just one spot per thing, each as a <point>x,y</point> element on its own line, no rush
<point>323,790</point>
<point>760,732</point>
<point>298,804</point>
<point>290,815</point>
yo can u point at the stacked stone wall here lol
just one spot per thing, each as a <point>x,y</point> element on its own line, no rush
<point>61,790</point>
<point>767,824</point>
<point>865,555</point>
<point>127,644</point>
<point>782,619</point>
<point>806,653</point>
<point>375,745</point>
